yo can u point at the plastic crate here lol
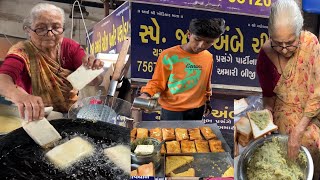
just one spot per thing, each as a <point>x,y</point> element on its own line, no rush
<point>311,6</point>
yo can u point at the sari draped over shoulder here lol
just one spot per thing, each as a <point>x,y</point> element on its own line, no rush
<point>48,78</point>
<point>298,93</point>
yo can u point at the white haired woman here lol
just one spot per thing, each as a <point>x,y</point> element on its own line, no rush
<point>289,74</point>
<point>33,74</point>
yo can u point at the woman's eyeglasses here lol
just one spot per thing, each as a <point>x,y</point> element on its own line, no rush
<point>289,47</point>
<point>280,48</point>
<point>45,31</point>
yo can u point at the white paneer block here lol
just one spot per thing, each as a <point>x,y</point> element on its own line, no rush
<point>144,149</point>
<point>120,155</point>
<point>82,76</point>
<point>41,131</point>
<point>70,152</point>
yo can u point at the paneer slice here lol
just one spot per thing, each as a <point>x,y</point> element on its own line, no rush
<point>70,152</point>
<point>83,76</point>
<point>42,132</point>
<point>120,156</point>
<point>144,149</point>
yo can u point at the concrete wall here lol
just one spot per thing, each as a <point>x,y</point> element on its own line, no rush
<point>5,45</point>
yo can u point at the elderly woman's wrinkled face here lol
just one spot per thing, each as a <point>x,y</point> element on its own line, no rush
<point>46,31</point>
<point>284,41</point>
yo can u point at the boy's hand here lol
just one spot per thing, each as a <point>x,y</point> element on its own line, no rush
<point>207,108</point>
<point>144,96</point>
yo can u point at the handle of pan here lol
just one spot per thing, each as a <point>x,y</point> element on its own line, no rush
<point>119,67</point>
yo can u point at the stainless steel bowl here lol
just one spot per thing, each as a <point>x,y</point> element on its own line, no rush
<point>155,157</point>
<point>102,108</point>
<point>248,152</point>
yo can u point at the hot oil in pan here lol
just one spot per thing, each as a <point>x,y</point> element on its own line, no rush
<point>96,164</point>
<point>94,167</point>
<point>27,161</point>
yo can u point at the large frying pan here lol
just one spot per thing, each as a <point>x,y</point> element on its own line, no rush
<point>21,158</point>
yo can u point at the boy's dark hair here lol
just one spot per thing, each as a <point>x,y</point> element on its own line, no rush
<point>210,28</point>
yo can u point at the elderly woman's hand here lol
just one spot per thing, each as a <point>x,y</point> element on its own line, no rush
<point>91,62</point>
<point>30,107</point>
<point>294,142</point>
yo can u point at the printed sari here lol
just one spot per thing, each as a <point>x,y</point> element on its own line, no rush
<point>48,78</point>
<point>298,94</point>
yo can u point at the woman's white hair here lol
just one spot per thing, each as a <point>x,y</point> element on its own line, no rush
<point>286,13</point>
<point>40,8</point>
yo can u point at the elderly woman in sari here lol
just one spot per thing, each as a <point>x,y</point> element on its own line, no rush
<point>289,73</point>
<point>33,74</point>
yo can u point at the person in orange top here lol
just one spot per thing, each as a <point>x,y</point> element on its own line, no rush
<point>183,73</point>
